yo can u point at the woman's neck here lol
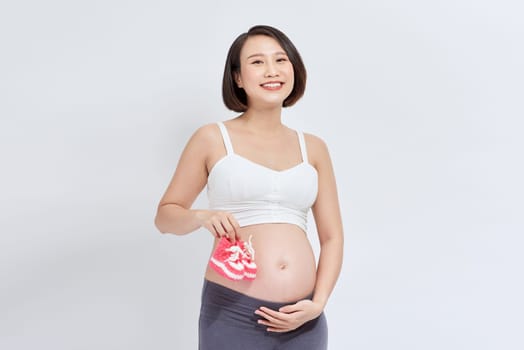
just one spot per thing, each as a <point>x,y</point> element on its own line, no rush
<point>263,122</point>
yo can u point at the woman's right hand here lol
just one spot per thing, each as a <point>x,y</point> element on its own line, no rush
<point>219,223</point>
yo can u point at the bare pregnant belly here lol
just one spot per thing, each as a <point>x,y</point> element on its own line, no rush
<point>285,262</point>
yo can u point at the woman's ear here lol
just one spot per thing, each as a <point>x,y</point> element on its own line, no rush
<point>238,80</point>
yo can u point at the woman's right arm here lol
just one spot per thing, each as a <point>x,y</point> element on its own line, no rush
<point>174,214</point>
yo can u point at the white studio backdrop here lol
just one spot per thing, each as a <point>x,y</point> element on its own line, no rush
<point>419,102</point>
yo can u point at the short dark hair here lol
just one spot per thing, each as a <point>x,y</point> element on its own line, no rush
<point>234,97</point>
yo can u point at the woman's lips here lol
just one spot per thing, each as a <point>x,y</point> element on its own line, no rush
<point>272,85</point>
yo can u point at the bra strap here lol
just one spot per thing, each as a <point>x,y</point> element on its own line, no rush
<point>225,137</point>
<point>303,149</point>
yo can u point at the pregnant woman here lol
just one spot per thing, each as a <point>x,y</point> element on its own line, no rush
<point>262,288</point>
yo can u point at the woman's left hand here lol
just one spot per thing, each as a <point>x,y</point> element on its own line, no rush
<point>289,317</point>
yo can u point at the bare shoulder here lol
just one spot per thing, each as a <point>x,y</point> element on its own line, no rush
<point>207,135</point>
<point>317,148</point>
<point>206,145</point>
<point>201,145</point>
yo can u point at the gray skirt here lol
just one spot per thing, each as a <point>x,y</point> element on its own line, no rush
<point>228,321</point>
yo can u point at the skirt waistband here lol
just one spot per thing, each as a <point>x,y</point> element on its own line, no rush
<point>228,295</point>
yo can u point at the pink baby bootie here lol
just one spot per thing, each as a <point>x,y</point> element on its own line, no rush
<point>248,260</point>
<point>234,261</point>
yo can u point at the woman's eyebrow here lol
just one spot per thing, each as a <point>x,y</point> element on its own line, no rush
<point>262,55</point>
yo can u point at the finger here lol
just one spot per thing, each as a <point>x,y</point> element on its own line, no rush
<point>235,226</point>
<point>290,308</point>
<point>273,313</point>
<point>273,324</point>
<point>277,319</point>
<point>220,232</point>
<point>230,231</point>
<point>211,229</point>
<point>272,327</point>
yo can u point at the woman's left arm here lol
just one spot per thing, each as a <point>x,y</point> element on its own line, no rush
<point>326,211</point>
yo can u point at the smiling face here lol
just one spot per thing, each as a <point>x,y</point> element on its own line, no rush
<point>266,73</point>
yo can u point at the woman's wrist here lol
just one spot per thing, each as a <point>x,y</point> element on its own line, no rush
<point>321,302</point>
<point>200,216</point>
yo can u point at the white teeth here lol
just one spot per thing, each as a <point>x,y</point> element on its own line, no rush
<point>272,85</point>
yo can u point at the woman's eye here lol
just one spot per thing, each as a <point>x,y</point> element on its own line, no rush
<point>283,59</point>
<point>257,62</point>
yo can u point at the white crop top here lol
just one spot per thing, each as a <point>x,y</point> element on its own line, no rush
<point>256,194</point>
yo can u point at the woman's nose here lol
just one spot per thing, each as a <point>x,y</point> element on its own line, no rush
<point>271,70</point>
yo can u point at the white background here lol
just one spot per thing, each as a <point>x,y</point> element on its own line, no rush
<point>420,103</point>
